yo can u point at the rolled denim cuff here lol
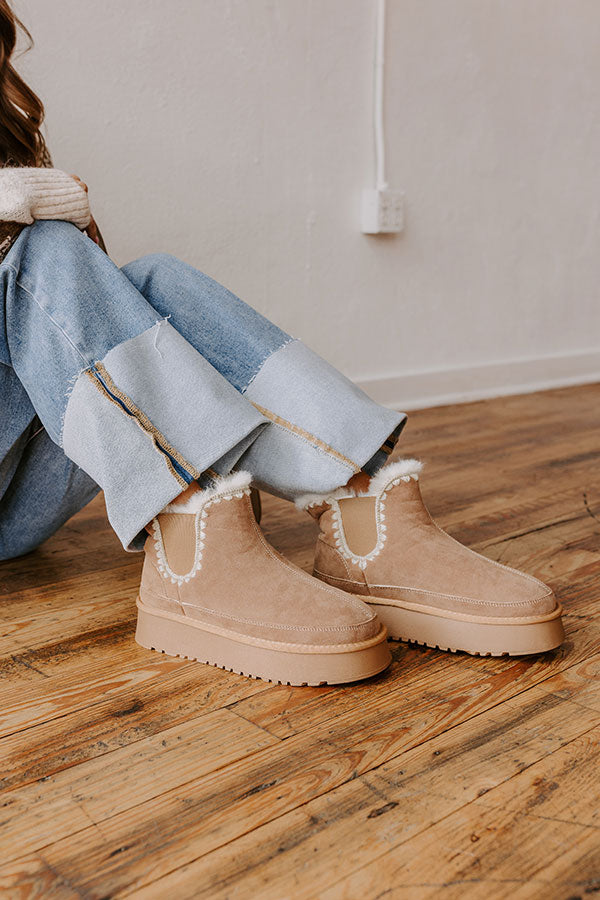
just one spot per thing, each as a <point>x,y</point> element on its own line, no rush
<point>323,429</point>
<point>384,452</point>
<point>149,418</point>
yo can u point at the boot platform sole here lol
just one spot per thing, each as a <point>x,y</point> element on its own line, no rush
<point>279,662</point>
<point>477,635</point>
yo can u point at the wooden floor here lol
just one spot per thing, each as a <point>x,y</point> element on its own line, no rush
<point>127,773</point>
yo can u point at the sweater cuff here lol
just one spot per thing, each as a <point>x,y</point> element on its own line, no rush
<point>27,194</point>
<point>58,196</point>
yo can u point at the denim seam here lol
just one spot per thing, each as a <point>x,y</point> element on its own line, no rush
<point>45,311</point>
<point>311,439</point>
<point>66,337</point>
<point>146,423</point>
<point>152,434</point>
<point>271,353</point>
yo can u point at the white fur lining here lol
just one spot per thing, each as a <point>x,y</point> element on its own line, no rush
<point>230,484</point>
<point>306,500</point>
<point>387,477</point>
<point>403,469</point>
<point>235,485</point>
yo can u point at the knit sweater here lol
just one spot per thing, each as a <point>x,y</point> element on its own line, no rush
<point>27,194</point>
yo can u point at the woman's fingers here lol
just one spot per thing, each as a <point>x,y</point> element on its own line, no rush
<point>92,231</point>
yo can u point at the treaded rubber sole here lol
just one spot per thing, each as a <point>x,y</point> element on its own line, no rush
<point>274,661</point>
<point>479,637</point>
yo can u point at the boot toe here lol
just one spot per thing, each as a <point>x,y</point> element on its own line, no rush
<point>335,618</point>
<point>526,596</point>
<point>355,625</point>
<point>315,616</point>
<point>507,594</point>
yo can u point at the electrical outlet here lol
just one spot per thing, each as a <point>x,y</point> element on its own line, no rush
<point>382,211</point>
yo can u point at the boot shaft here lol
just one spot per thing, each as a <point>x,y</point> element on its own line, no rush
<point>357,528</point>
<point>189,540</point>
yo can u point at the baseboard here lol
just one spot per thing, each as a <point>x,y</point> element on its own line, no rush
<point>439,387</point>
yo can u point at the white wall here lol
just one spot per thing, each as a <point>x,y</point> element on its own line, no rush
<point>236,134</point>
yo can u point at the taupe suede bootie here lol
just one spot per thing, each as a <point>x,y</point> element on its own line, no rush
<point>426,587</point>
<point>214,590</point>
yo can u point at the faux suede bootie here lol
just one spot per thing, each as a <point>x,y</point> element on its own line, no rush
<point>214,590</point>
<point>384,546</point>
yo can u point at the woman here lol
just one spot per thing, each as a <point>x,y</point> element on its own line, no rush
<point>158,386</point>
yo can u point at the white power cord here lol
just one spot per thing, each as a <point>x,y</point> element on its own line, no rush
<point>378,124</point>
<point>382,209</point>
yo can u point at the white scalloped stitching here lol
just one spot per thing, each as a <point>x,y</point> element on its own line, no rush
<point>338,525</point>
<point>200,526</point>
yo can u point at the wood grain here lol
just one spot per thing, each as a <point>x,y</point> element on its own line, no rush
<point>128,773</point>
<point>376,814</point>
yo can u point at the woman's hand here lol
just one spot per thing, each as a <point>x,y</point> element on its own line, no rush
<point>92,229</point>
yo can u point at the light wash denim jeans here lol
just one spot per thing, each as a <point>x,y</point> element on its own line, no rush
<point>137,380</point>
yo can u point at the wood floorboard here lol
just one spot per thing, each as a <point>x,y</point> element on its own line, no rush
<point>129,773</point>
<point>389,806</point>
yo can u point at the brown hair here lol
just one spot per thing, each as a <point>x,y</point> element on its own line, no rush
<point>21,111</point>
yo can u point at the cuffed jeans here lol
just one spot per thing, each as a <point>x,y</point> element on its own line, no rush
<point>138,380</point>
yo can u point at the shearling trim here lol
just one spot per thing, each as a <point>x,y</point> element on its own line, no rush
<point>306,500</point>
<point>230,485</point>
<point>403,468</point>
<point>234,485</point>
